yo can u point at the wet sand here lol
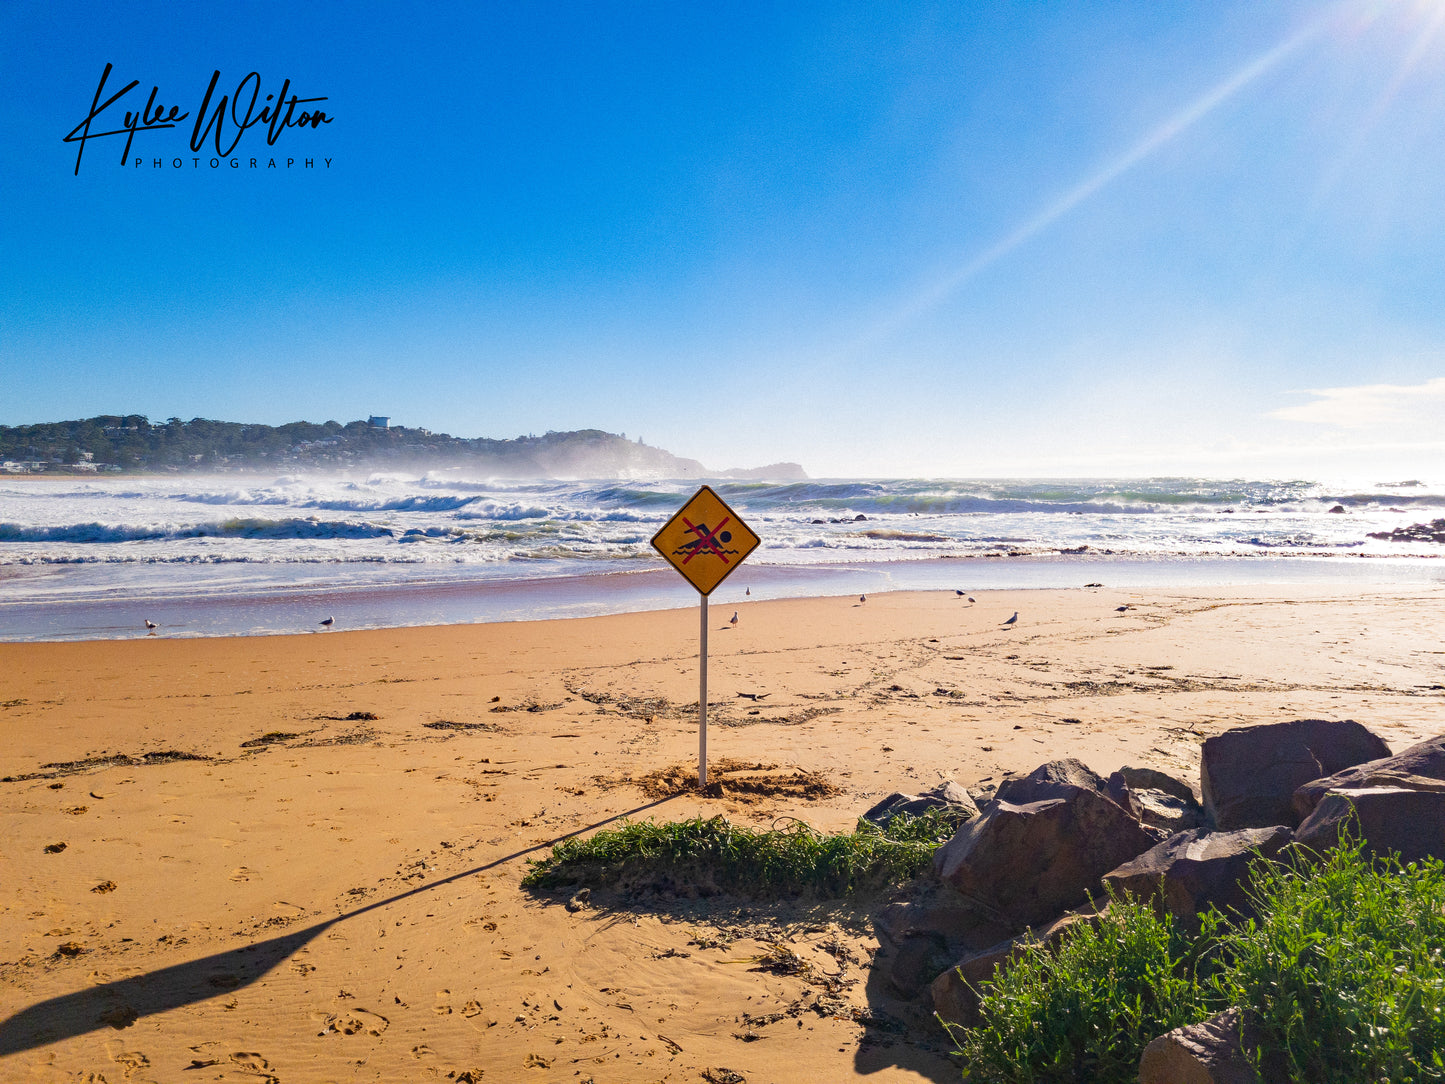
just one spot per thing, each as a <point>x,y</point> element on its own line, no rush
<point>297,858</point>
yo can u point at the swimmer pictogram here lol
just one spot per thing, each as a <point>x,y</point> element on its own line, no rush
<point>705,540</point>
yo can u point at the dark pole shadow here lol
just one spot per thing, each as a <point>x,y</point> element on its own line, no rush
<point>120,1004</point>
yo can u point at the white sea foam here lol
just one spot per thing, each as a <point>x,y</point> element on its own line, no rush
<point>336,532</point>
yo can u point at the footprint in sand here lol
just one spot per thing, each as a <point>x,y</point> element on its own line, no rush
<point>355,1022</point>
<point>443,1007</point>
<point>130,1061</point>
<point>241,873</point>
<point>253,1065</point>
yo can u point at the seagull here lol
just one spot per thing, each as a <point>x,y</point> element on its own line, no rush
<point>862,598</point>
<point>971,598</point>
<point>734,621</point>
<point>959,593</point>
<point>747,590</point>
<point>329,622</point>
<point>151,625</point>
<point>1120,609</point>
<point>1012,619</point>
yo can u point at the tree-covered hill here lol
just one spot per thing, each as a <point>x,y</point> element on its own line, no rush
<point>132,443</point>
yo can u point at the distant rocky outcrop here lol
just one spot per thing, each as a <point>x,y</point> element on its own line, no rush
<point>1434,531</point>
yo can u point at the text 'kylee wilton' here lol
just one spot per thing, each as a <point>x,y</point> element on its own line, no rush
<point>245,109</point>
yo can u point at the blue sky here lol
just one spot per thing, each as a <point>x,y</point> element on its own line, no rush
<point>877,239</point>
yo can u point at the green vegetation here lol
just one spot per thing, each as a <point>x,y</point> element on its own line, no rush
<point>1342,971</point>
<point>1085,1011</point>
<point>714,853</point>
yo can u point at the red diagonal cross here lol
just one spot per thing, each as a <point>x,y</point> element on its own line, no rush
<point>706,540</point>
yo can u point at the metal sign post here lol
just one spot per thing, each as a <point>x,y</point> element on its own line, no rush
<point>702,697</point>
<point>705,555</point>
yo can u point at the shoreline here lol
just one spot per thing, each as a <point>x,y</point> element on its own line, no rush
<point>308,848</point>
<point>462,599</point>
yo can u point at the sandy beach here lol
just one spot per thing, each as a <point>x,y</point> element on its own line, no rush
<point>297,858</point>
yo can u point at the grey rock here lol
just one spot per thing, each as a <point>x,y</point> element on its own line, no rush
<point>1405,821</point>
<point>1434,531</point>
<point>1153,779</point>
<point>1056,779</point>
<point>1117,788</point>
<point>948,794</point>
<point>954,794</point>
<point>963,926</point>
<point>1191,870</point>
<point>1158,809</point>
<point>1032,862</point>
<point>1248,775</point>
<point>1211,1052</point>
<point>1420,767</point>
<point>918,960</point>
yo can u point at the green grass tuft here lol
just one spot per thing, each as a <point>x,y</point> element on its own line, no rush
<point>717,854</point>
<point>1083,1013</point>
<point>1344,968</point>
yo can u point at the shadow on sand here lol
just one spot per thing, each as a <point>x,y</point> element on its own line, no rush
<point>897,1032</point>
<point>120,1004</point>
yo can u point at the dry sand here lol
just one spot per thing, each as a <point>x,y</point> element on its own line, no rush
<point>255,885</point>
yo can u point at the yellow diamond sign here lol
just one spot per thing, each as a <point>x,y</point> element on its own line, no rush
<point>705,541</point>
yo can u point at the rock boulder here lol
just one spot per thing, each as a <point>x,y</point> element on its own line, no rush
<point>1153,779</point>
<point>1031,862</point>
<point>1406,821</point>
<point>1419,767</point>
<point>945,795</point>
<point>1211,1052</point>
<point>1168,812</point>
<point>963,926</point>
<point>1249,774</point>
<point>1191,870</point>
<point>1056,779</point>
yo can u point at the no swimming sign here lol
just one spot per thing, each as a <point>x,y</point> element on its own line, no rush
<point>705,541</point>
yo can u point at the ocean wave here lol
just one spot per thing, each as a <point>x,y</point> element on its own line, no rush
<point>1384,500</point>
<point>230,497</point>
<point>905,536</point>
<point>392,504</point>
<point>574,553</point>
<point>89,533</point>
<point>506,512</point>
<point>209,559</point>
<point>435,519</point>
